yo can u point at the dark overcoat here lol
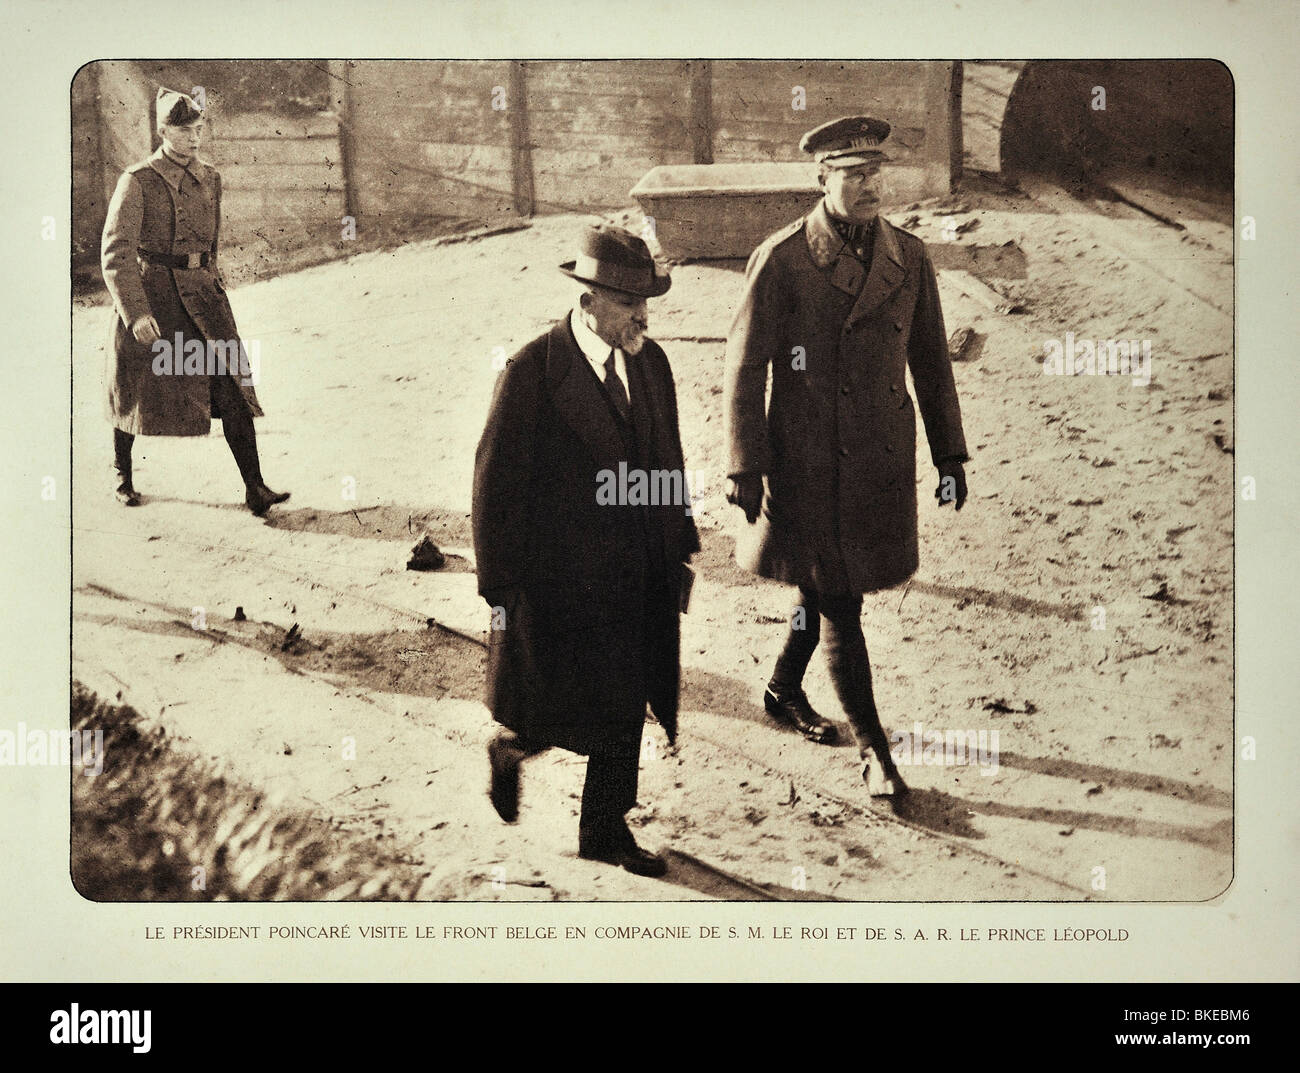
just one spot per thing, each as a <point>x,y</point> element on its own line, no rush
<point>837,442</point>
<point>161,207</point>
<point>588,632</point>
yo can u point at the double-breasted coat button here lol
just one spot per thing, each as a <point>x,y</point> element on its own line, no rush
<point>898,325</point>
<point>844,452</point>
<point>844,389</point>
<point>893,387</point>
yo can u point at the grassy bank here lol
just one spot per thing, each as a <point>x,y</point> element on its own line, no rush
<point>160,825</point>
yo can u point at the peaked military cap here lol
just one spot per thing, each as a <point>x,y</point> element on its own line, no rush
<point>176,108</point>
<point>846,142</point>
<point>617,259</point>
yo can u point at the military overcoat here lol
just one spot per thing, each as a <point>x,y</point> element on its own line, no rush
<point>837,442</point>
<point>587,632</point>
<point>161,207</point>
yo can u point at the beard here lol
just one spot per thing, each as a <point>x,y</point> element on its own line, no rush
<point>633,339</point>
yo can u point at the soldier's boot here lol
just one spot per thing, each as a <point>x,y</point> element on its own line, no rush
<point>243,445</point>
<point>125,492</point>
<point>785,699</point>
<point>850,667</point>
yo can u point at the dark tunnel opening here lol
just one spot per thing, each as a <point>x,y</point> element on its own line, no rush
<point>1077,120</point>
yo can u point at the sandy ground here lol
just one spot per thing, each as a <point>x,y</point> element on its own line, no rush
<point>1115,750</point>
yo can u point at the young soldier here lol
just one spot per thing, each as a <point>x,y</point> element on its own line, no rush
<point>159,257</point>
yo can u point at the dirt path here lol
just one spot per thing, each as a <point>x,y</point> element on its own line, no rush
<point>1115,744</point>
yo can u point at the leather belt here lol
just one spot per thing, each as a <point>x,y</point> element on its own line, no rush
<point>176,260</point>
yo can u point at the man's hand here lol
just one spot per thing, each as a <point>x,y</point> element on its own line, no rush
<point>146,330</point>
<point>952,484</point>
<point>745,490</point>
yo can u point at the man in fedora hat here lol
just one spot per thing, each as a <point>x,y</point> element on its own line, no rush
<point>839,305</point>
<point>176,360</point>
<point>581,560</point>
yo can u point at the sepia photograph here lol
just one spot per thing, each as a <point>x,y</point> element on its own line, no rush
<point>595,493</point>
<point>652,480</point>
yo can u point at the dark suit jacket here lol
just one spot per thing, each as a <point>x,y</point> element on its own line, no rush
<point>589,587</point>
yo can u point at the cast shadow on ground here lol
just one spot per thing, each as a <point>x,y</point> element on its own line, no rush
<point>717,561</point>
<point>438,663</point>
<point>1119,778</point>
<point>945,813</point>
<point>378,522</point>
<point>431,663</point>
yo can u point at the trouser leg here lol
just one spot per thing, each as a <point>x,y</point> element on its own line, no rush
<point>800,643</point>
<point>846,651</point>
<point>610,790</point>
<point>237,424</point>
<point>510,740</point>
<point>122,443</point>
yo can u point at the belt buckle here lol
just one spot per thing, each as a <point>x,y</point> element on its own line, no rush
<point>193,260</point>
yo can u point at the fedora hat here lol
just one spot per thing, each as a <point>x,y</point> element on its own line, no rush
<point>617,259</point>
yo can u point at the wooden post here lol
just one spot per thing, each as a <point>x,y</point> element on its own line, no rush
<point>341,92</point>
<point>701,95</point>
<point>956,146</point>
<point>521,149</point>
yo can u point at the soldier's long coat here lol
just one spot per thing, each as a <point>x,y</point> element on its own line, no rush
<point>588,633</point>
<point>837,443</point>
<point>162,207</point>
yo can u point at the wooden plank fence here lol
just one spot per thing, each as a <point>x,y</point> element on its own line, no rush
<point>498,138</point>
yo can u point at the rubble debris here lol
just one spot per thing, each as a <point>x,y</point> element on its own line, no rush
<point>982,292</point>
<point>965,344</point>
<point>291,637</point>
<point>426,556</point>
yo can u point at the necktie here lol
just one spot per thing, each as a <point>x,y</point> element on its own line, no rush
<point>617,392</point>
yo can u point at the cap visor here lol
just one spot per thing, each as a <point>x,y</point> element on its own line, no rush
<point>855,160</point>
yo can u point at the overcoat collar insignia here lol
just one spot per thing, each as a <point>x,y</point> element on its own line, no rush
<point>871,287</point>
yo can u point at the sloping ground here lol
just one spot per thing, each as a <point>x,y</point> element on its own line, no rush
<point>1087,492</point>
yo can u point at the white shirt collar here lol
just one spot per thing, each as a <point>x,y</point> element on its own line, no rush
<point>597,350</point>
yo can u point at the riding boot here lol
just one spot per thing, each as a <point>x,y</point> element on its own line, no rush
<point>243,445</point>
<point>800,644</point>
<point>125,491</point>
<point>846,650</point>
<point>237,423</point>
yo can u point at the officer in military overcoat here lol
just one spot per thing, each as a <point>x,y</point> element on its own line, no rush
<point>837,307</point>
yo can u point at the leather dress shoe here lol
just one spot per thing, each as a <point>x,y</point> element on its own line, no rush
<point>126,495</point>
<point>791,707</point>
<point>260,497</point>
<point>505,759</point>
<point>620,848</point>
